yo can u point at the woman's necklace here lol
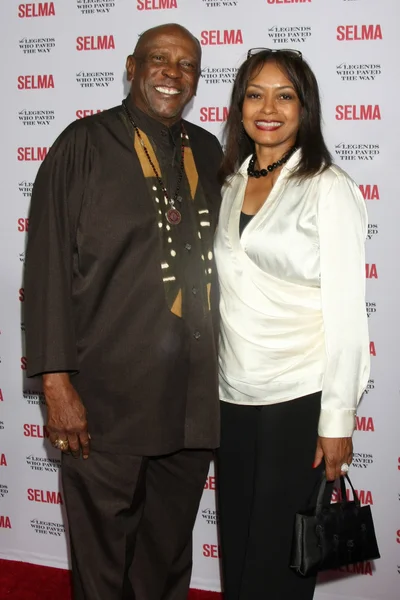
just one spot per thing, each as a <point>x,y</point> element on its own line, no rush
<point>172,215</point>
<point>252,172</point>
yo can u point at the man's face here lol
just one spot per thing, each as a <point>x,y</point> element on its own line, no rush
<point>164,72</point>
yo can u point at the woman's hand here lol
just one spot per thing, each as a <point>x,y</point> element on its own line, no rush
<point>336,452</point>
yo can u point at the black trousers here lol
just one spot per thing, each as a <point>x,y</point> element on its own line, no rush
<point>265,476</point>
<point>130,523</point>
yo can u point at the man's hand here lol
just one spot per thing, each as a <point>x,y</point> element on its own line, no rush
<point>66,415</point>
<point>336,452</point>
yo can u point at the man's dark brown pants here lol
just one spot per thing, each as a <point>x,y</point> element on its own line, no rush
<point>130,521</point>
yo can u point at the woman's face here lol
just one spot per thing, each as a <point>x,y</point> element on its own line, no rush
<point>271,109</point>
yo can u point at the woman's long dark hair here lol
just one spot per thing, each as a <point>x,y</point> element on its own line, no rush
<point>315,155</point>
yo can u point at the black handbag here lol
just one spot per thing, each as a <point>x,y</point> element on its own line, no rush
<point>329,536</point>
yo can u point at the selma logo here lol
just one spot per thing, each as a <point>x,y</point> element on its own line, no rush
<point>364,568</point>
<point>213,114</point>
<point>371,272</point>
<point>21,294</point>
<point>211,551</point>
<point>35,82</point>
<point>35,431</point>
<point>356,33</point>
<point>221,37</point>
<point>87,112</point>
<point>288,1</point>
<point>156,4</point>
<point>370,192</point>
<point>23,224</point>
<point>3,460</point>
<point>372,349</point>
<point>365,424</point>
<point>93,42</point>
<point>29,154</point>
<point>365,497</point>
<point>210,484</point>
<point>44,496</point>
<point>363,112</point>
<point>40,9</point>
<point>5,522</point>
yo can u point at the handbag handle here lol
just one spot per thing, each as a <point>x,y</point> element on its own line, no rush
<point>321,493</point>
<point>343,490</point>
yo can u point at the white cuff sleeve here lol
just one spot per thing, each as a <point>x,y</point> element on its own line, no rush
<point>336,423</point>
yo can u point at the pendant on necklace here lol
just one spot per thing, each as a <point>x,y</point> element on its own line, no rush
<point>174,217</point>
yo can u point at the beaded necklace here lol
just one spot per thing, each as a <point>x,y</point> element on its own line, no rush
<point>172,215</point>
<point>252,172</point>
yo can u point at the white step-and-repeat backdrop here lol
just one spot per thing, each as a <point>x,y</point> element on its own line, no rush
<point>64,60</point>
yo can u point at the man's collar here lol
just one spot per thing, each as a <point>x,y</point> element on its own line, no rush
<point>151,126</point>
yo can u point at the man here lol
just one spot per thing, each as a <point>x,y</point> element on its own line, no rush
<point>121,322</point>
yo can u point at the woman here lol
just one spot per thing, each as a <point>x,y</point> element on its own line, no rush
<point>294,352</point>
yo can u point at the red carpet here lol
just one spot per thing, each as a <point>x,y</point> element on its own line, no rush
<point>23,581</point>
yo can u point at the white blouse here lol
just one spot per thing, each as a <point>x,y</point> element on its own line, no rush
<point>293,318</point>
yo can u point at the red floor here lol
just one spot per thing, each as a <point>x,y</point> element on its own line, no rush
<point>23,581</point>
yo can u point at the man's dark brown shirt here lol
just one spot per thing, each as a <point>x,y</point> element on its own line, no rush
<point>95,302</point>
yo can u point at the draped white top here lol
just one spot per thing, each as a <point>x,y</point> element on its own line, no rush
<point>293,317</point>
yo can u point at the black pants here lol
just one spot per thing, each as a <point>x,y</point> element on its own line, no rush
<point>130,521</point>
<point>265,476</point>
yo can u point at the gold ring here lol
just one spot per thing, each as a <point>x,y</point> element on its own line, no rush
<point>61,444</point>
